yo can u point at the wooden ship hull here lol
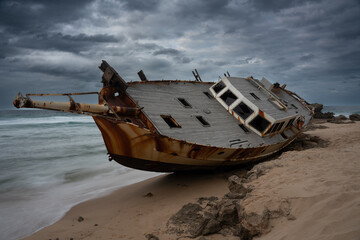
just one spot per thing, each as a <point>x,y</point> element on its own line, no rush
<point>169,126</point>
<point>142,149</point>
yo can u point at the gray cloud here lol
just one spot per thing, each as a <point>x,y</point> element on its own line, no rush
<point>139,5</point>
<point>278,5</point>
<point>68,43</point>
<point>307,57</point>
<point>38,15</point>
<point>167,51</point>
<point>56,46</point>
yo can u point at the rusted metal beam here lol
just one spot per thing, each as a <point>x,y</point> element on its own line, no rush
<point>196,75</point>
<point>142,76</point>
<point>71,106</point>
<point>111,78</point>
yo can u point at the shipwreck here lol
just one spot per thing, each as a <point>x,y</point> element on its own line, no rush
<point>173,125</point>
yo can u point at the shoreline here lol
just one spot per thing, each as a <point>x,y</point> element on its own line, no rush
<point>310,179</point>
<point>127,179</point>
<point>156,191</point>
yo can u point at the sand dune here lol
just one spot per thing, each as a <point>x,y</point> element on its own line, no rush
<point>315,191</point>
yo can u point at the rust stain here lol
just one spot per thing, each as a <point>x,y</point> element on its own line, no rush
<point>261,113</point>
<point>120,139</point>
<point>242,154</point>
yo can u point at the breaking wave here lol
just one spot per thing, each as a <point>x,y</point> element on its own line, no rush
<point>47,120</point>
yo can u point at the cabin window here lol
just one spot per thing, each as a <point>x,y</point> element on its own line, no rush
<point>270,129</point>
<point>275,127</point>
<point>228,97</point>
<point>184,102</point>
<point>280,126</point>
<point>208,95</point>
<point>243,110</point>
<point>259,123</point>
<point>254,96</point>
<point>245,129</point>
<point>290,123</point>
<point>284,136</point>
<point>219,86</point>
<point>203,121</point>
<point>170,121</point>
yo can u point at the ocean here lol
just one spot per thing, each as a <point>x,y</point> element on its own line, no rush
<point>342,110</point>
<point>50,161</point>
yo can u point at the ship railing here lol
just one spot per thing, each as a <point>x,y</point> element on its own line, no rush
<point>273,97</point>
<point>299,99</point>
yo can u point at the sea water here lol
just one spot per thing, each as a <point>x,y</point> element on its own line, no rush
<point>50,161</point>
<point>342,110</point>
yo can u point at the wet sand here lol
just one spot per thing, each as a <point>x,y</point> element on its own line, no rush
<point>320,185</point>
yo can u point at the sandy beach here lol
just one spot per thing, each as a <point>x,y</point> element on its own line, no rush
<point>313,193</point>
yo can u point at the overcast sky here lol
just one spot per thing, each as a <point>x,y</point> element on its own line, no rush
<point>53,46</point>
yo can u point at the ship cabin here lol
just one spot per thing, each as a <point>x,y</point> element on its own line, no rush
<point>257,104</point>
<point>232,113</point>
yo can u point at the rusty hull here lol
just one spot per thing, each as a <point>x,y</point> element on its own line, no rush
<point>140,148</point>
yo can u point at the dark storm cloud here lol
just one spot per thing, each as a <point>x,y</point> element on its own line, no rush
<point>202,8</point>
<point>307,57</point>
<point>35,15</point>
<point>312,45</point>
<point>167,51</point>
<point>141,5</point>
<point>277,5</point>
<point>69,43</point>
<point>177,55</point>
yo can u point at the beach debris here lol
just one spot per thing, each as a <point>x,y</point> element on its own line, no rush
<point>259,170</point>
<point>207,199</point>
<point>80,219</point>
<point>236,187</point>
<point>330,116</point>
<point>151,236</point>
<point>227,212</point>
<point>341,119</point>
<point>354,117</point>
<point>149,194</point>
<point>213,226</point>
<point>189,219</point>
<point>318,112</point>
<point>306,141</point>
<point>315,124</point>
<point>229,216</point>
